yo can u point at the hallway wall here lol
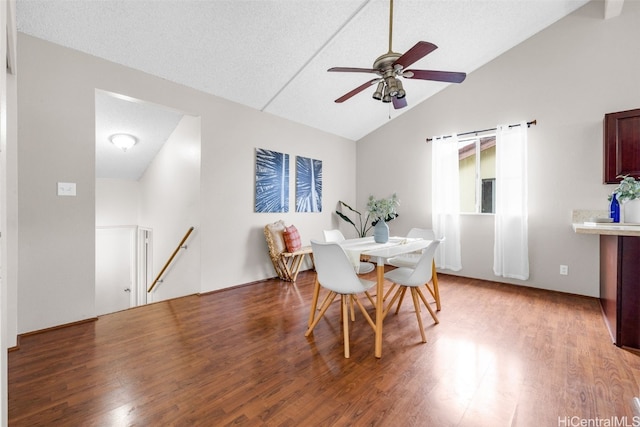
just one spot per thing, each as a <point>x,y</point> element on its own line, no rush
<point>56,115</point>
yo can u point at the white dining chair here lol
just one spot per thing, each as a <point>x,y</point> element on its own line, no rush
<point>413,279</point>
<point>338,237</point>
<point>410,260</point>
<point>335,272</point>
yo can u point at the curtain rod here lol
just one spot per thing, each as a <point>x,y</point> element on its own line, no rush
<point>529,124</point>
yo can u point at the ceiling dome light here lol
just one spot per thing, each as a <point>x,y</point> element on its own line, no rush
<point>123,141</point>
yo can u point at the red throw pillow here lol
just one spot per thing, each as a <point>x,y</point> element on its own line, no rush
<point>291,238</point>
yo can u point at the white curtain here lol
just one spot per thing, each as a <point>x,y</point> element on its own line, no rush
<point>445,201</point>
<point>511,244</point>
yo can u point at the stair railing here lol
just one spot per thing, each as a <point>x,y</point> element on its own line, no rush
<point>181,245</point>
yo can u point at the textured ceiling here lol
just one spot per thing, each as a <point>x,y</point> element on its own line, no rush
<point>273,55</point>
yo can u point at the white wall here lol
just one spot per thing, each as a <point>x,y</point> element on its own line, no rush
<point>56,259</point>
<point>117,202</point>
<point>170,205</point>
<point>56,111</point>
<point>567,77</point>
<point>236,251</point>
<point>8,196</point>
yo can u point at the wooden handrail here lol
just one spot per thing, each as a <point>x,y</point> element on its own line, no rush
<point>173,255</point>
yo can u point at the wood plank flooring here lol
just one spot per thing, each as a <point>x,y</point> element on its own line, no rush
<point>502,355</point>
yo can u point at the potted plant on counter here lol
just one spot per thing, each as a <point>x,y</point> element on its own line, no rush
<point>628,195</point>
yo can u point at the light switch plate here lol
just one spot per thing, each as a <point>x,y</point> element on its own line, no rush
<point>66,189</point>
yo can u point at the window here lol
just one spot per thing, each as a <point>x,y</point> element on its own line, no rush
<point>477,174</point>
<point>488,195</point>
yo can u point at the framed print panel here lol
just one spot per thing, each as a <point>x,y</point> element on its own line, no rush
<point>308,185</point>
<point>272,181</point>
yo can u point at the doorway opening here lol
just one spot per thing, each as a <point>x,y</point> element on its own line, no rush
<point>139,213</point>
<point>122,267</point>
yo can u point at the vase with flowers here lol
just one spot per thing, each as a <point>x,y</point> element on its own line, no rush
<point>380,207</point>
<point>628,195</point>
<point>382,211</point>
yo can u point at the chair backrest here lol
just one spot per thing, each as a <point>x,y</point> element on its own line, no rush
<point>423,272</point>
<point>333,236</point>
<point>422,233</point>
<point>335,270</point>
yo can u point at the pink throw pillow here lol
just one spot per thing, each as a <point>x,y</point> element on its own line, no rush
<point>292,238</point>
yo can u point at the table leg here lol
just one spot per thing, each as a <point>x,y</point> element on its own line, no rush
<point>379,307</point>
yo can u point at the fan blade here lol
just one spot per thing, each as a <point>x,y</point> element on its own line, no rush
<point>356,90</point>
<point>418,51</point>
<point>353,70</point>
<point>399,103</point>
<point>440,76</point>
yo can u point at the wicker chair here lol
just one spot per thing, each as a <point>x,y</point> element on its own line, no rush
<point>286,264</point>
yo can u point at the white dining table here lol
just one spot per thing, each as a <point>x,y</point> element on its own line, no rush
<point>355,248</point>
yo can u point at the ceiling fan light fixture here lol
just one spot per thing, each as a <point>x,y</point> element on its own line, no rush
<point>387,95</point>
<point>392,84</point>
<point>378,93</point>
<point>391,65</point>
<point>123,141</point>
<point>401,93</point>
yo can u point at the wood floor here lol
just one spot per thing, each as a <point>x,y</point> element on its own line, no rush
<point>501,356</point>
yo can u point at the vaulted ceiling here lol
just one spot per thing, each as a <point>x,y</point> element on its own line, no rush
<point>273,55</point>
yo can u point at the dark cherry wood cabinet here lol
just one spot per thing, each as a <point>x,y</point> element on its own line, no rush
<point>620,288</point>
<point>621,145</point>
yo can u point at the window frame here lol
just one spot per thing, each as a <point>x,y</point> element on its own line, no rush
<point>480,143</point>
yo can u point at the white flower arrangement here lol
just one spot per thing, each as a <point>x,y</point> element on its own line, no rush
<point>383,209</point>
<point>376,209</point>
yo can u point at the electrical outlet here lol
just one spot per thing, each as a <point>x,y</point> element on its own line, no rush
<point>564,270</point>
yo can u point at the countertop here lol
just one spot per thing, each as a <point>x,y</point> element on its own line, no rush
<point>615,229</point>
